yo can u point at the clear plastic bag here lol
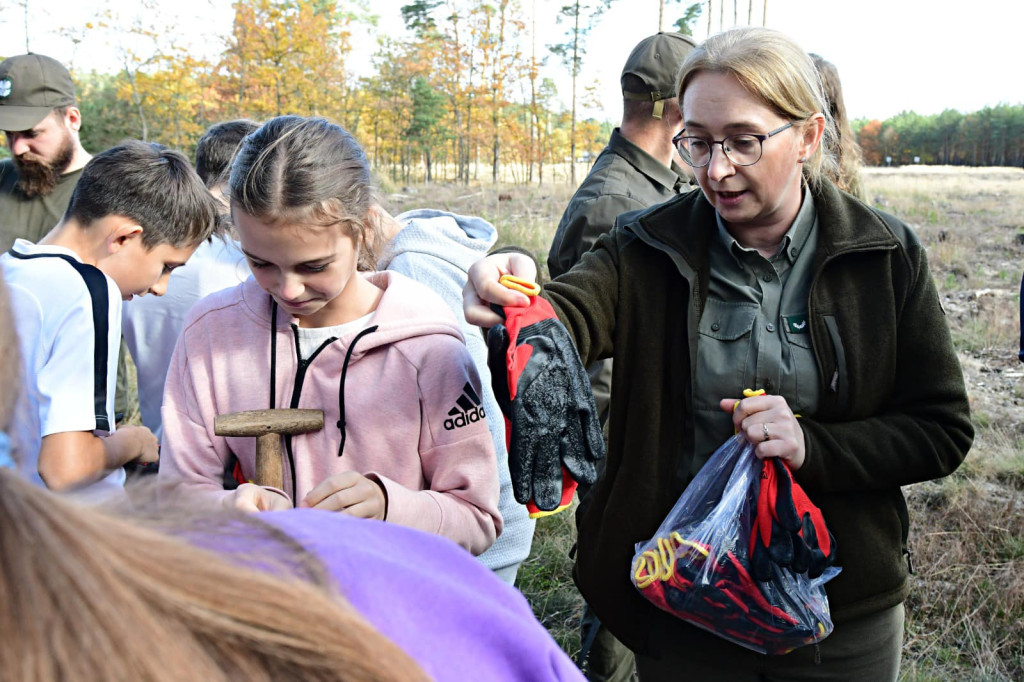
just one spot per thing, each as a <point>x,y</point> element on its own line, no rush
<point>697,566</point>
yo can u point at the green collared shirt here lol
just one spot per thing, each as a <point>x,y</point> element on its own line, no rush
<point>754,331</point>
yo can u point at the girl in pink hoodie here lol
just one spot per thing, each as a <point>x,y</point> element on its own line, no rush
<point>405,439</point>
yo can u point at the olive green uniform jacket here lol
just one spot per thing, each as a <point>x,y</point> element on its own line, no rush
<point>624,178</point>
<point>893,407</point>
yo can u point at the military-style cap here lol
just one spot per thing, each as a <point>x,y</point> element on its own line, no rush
<point>655,61</point>
<point>31,86</point>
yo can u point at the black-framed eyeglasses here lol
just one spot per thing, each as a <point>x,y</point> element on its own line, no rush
<point>742,149</point>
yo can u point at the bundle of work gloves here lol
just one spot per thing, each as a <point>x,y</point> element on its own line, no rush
<point>765,590</point>
<point>551,426</point>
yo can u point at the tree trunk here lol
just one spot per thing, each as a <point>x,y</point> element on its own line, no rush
<point>575,72</point>
<point>24,6</point>
<point>498,87</point>
<point>540,163</point>
<point>137,101</point>
<point>496,159</point>
<point>277,94</point>
<point>376,142</point>
<point>533,92</point>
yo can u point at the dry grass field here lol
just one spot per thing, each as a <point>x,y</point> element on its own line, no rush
<point>965,617</point>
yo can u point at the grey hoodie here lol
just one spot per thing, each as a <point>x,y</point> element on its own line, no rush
<point>436,248</point>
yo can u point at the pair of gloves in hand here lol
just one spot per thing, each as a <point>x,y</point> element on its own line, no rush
<point>551,425</point>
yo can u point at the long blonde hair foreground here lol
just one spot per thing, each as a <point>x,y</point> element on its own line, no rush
<point>775,69</point>
<point>89,596</point>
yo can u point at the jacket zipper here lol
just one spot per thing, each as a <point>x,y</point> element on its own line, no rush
<point>833,385</point>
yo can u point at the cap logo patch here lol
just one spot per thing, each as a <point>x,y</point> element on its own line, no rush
<point>5,87</point>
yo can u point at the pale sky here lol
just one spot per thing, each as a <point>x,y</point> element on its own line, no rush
<point>892,55</point>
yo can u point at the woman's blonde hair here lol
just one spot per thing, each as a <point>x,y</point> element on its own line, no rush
<point>847,176</point>
<point>89,596</point>
<point>308,170</point>
<point>776,70</point>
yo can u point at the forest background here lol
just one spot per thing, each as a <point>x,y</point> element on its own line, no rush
<point>459,96</point>
<point>462,97</point>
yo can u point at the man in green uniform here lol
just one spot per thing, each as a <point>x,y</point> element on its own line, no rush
<point>39,116</point>
<point>636,170</point>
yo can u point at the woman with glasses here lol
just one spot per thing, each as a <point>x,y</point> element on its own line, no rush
<point>768,278</point>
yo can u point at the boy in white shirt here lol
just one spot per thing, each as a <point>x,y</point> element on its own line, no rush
<point>151,326</point>
<point>139,211</point>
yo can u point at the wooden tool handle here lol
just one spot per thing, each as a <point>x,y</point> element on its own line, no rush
<point>268,461</point>
<point>257,422</point>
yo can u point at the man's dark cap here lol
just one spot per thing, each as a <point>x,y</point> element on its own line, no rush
<point>655,61</point>
<point>31,86</point>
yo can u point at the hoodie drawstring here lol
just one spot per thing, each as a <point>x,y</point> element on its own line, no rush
<point>273,352</point>
<point>341,386</point>
<point>300,374</point>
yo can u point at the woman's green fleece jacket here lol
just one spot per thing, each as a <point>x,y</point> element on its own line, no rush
<point>893,407</point>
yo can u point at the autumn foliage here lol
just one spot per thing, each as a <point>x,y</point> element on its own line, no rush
<point>461,99</point>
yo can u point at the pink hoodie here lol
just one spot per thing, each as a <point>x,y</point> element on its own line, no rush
<point>410,416</point>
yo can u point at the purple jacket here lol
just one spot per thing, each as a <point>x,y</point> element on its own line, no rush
<point>429,596</point>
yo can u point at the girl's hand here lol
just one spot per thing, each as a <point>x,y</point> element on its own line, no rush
<point>482,288</point>
<point>767,421</point>
<point>350,493</point>
<point>250,497</point>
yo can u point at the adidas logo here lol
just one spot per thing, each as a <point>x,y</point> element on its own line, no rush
<point>467,410</point>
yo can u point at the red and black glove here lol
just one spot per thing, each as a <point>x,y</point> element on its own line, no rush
<point>787,528</point>
<point>551,424</point>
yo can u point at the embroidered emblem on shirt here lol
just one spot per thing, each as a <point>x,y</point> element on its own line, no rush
<point>796,324</point>
<point>467,410</point>
<point>5,87</point>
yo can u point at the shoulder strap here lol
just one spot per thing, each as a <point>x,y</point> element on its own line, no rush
<point>96,283</point>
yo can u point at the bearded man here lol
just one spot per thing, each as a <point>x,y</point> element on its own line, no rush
<point>39,116</point>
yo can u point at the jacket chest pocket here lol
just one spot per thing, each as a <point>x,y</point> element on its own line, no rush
<point>724,345</point>
<point>799,381</point>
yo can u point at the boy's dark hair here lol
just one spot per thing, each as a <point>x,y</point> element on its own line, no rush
<point>217,146</point>
<point>152,185</point>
